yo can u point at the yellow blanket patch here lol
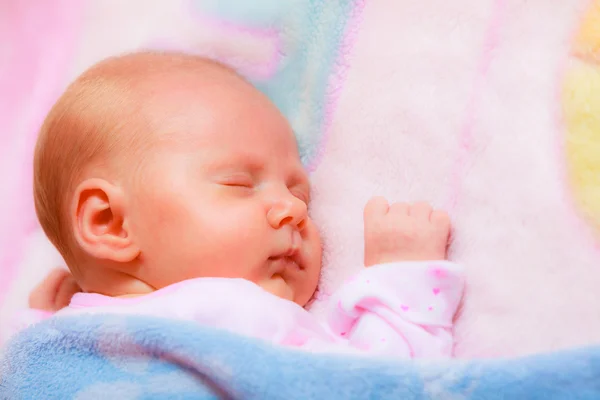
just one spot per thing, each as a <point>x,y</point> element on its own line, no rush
<point>581,104</point>
<point>582,116</point>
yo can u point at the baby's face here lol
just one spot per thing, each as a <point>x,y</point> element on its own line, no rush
<point>226,196</point>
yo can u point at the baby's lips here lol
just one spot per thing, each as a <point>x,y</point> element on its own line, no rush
<point>279,265</point>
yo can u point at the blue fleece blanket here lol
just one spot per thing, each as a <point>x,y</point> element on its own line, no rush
<point>125,357</point>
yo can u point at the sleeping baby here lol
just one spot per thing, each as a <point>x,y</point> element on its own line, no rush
<point>173,188</point>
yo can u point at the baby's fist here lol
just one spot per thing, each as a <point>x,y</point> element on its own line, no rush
<point>404,232</point>
<point>55,291</point>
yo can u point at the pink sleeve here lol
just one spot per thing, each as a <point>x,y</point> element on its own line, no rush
<point>399,309</point>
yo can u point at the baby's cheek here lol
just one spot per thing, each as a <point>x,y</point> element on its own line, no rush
<point>153,216</point>
<point>314,245</point>
<point>309,283</point>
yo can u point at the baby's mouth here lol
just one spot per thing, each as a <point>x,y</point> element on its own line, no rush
<point>281,264</point>
<point>290,259</point>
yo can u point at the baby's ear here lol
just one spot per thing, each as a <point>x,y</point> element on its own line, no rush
<point>99,221</point>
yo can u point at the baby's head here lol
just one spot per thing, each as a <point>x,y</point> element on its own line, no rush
<point>156,168</point>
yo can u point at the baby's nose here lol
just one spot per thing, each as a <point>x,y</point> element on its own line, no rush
<point>290,211</point>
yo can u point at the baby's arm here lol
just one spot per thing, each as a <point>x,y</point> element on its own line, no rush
<point>403,303</point>
<point>402,309</point>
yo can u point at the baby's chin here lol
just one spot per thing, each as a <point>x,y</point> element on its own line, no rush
<point>277,286</point>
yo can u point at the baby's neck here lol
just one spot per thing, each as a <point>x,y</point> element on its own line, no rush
<point>113,283</point>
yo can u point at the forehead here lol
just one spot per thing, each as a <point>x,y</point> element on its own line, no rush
<point>226,116</point>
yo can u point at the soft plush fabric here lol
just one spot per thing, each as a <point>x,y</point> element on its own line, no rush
<point>486,108</point>
<point>396,310</point>
<point>125,358</point>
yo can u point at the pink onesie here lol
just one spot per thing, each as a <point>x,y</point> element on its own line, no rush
<point>399,310</point>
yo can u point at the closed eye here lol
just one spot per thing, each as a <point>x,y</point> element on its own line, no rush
<point>238,181</point>
<point>239,184</point>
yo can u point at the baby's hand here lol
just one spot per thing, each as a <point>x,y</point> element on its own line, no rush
<point>55,291</point>
<point>404,232</point>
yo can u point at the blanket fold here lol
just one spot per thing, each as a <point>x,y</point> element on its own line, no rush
<point>131,357</point>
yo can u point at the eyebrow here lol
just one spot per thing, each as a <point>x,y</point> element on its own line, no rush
<point>245,161</point>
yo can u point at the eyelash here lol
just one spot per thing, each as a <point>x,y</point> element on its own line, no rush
<point>239,181</point>
<point>245,183</point>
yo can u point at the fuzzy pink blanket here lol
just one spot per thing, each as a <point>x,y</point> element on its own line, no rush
<point>483,108</point>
